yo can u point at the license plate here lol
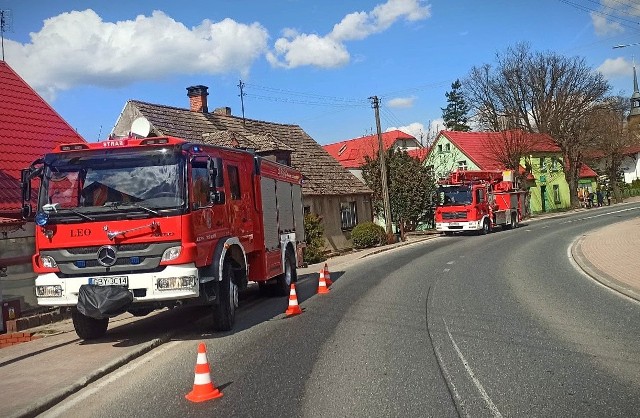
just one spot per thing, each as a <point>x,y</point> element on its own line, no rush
<point>109,281</point>
<point>454,223</point>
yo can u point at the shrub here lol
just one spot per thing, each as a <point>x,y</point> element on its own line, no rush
<point>314,238</point>
<point>368,234</point>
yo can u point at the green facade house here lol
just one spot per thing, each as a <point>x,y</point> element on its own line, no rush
<point>547,184</point>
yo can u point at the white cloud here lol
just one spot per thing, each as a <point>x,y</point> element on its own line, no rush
<point>425,135</point>
<point>308,50</point>
<point>78,47</point>
<point>294,49</point>
<point>616,67</point>
<point>603,26</point>
<point>401,102</point>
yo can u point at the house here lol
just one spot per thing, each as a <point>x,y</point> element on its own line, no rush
<point>631,164</point>
<point>328,189</point>
<point>454,150</point>
<point>29,128</point>
<point>352,153</point>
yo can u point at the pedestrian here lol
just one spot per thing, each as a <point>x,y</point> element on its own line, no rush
<point>581,196</point>
<point>608,197</point>
<point>600,197</point>
<point>590,199</point>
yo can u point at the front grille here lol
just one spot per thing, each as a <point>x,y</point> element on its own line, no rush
<point>454,215</point>
<point>119,247</point>
<point>121,261</point>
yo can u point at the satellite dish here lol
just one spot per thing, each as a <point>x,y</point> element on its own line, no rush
<point>141,127</point>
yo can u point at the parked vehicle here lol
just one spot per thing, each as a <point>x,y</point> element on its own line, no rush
<point>479,201</point>
<point>138,224</point>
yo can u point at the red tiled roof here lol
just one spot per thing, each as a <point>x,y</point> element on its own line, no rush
<point>632,150</point>
<point>586,172</point>
<point>352,152</point>
<point>419,153</point>
<point>475,145</point>
<point>29,128</point>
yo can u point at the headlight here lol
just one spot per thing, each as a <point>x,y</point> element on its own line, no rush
<point>49,291</point>
<point>48,261</point>
<point>171,253</point>
<point>172,283</point>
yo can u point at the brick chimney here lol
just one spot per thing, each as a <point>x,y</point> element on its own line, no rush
<point>198,98</point>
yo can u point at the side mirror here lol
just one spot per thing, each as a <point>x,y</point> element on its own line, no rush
<point>216,172</point>
<point>26,184</point>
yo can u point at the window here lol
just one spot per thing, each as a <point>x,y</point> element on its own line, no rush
<point>234,182</point>
<point>348,215</point>
<point>543,164</point>
<point>555,164</point>
<point>556,193</point>
<point>447,147</point>
<point>199,186</point>
<point>462,165</point>
<point>440,149</point>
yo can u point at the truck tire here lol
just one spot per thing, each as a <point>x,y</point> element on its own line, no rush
<point>224,309</point>
<point>486,227</point>
<point>88,328</point>
<point>290,275</point>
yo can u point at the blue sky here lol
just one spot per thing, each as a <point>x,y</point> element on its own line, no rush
<point>310,63</point>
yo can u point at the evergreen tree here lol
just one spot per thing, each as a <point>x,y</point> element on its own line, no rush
<point>455,114</point>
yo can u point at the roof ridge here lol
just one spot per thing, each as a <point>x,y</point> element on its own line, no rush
<point>209,114</point>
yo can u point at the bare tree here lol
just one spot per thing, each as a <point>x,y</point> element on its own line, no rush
<point>507,149</point>
<point>539,92</point>
<point>610,135</point>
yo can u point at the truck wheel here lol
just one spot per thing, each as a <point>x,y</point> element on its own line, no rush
<point>485,227</point>
<point>88,328</point>
<point>224,310</point>
<point>283,282</point>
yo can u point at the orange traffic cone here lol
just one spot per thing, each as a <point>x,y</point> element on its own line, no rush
<point>322,283</point>
<point>294,308</point>
<point>203,389</point>
<point>327,275</point>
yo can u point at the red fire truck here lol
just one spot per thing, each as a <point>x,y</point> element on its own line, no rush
<point>138,224</point>
<point>479,201</point>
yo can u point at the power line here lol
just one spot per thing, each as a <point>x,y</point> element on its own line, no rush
<point>612,13</point>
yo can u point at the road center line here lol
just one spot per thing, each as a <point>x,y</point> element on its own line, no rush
<point>483,393</point>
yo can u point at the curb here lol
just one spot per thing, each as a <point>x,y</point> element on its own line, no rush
<point>598,275</point>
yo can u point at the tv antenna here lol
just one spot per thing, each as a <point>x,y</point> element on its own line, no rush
<point>5,26</point>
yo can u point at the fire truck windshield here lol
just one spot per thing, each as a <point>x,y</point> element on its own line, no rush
<point>454,195</point>
<point>82,183</point>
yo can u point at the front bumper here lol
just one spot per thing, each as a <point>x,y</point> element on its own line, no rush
<point>144,286</point>
<point>459,226</point>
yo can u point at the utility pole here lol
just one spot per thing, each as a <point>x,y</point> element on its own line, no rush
<point>242,94</point>
<point>375,103</point>
<point>5,25</point>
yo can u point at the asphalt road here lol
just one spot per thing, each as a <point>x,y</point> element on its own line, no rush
<point>497,325</point>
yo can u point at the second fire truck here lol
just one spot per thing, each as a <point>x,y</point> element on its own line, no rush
<point>474,200</point>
